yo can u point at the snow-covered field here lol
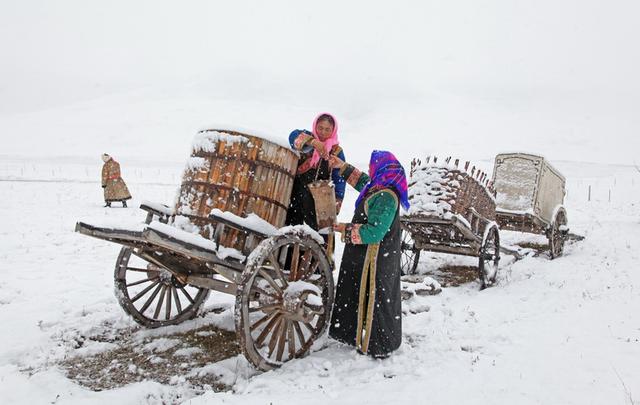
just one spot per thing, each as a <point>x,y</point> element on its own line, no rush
<point>551,332</point>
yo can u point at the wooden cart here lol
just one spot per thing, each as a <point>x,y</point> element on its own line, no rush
<point>453,211</point>
<point>225,234</point>
<point>529,197</point>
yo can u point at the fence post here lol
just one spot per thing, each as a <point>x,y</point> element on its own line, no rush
<point>589,196</point>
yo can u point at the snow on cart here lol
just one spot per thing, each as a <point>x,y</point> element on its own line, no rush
<point>225,234</point>
<point>529,198</point>
<point>452,211</point>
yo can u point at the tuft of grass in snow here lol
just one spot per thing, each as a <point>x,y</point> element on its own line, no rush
<point>167,360</point>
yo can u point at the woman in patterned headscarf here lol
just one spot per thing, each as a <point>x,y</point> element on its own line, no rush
<point>367,312</point>
<point>314,147</point>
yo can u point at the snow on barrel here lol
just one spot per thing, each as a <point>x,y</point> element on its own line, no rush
<point>238,173</point>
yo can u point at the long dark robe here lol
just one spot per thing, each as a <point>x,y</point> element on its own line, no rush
<point>371,322</point>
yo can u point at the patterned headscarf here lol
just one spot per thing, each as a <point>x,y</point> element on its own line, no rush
<point>385,171</point>
<point>329,143</point>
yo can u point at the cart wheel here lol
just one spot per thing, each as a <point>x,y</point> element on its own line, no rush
<point>410,255</point>
<point>556,235</point>
<point>489,258</point>
<point>151,294</point>
<point>279,305</point>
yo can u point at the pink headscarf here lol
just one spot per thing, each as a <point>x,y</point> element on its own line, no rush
<point>329,143</point>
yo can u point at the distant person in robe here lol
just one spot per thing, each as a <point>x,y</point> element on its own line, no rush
<point>115,189</point>
<point>367,310</point>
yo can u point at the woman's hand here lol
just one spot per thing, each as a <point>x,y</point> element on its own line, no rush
<point>319,147</point>
<point>335,162</point>
<point>340,227</point>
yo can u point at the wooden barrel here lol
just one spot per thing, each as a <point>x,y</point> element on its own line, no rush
<point>238,173</point>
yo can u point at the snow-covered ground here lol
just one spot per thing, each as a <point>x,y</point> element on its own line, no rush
<point>565,331</point>
<point>464,78</point>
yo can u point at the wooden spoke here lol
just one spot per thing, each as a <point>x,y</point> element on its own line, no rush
<point>275,335</point>
<point>296,326</point>
<point>176,299</point>
<point>320,282</point>
<point>270,280</point>
<point>282,255</point>
<point>142,281</point>
<point>276,266</point>
<point>310,327</point>
<point>143,292</point>
<point>310,270</point>
<point>282,339</point>
<point>262,320</point>
<point>305,263</point>
<point>291,340</point>
<point>143,270</point>
<point>167,310</point>
<point>187,294</point>
<point>266,308</point>
<point>314,268</point>
<point>295,258</point>
<point>150,300</point>
<point>160,302</point>
<point>261,291</point>
<point>262,336</point>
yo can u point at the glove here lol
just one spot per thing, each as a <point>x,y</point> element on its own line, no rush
<point>104,186</point>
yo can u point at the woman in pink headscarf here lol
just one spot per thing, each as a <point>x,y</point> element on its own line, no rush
<point>315,148</point>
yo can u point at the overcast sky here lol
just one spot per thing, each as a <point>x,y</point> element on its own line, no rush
<point>60,51</point>
<point>555,77</point>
